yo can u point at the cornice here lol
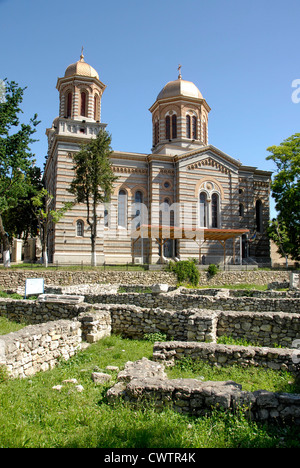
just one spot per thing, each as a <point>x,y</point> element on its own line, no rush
<point>160,157</point>
<point>79,78</point>
<point>182,99</point>
<point>255,171</point>
<point>131,156</point>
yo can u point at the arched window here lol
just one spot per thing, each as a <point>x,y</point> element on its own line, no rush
<point>83,103</point>
<point>166,216</point>
<point>69,105</point>
<point>138,197</point>
<point>171,213</point>
<point>166,219</point>
<point>194,128</point>
<point>106,217</point>
<point>171,127</point>
<point>174,126</point>
<point>166,205</point>
<point>168,128</point>
<point>188,126</point>
<point>203,210</point>
<point>169,216</point>
<point>138,201</point>
<point>79,228</point>
<point>156,133</point>
<point>122,209</point>
<point>241,209</point>
<point>204,133</point>
<point>215,210</point>
<point>96,107</point>
<point>258,210</point>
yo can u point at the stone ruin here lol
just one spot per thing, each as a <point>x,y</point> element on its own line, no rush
<point>144,381</point>
<point>193,319</point>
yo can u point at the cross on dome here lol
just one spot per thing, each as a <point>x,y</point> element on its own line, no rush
<point>82,56</point>
<point>179,72</point>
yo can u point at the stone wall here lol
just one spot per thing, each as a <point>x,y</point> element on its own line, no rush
<point>145,382</point>
<point>34,312</point>
<point>39,347</point>
<point>135,322</point>
<point>181,315</point>
<point>238,292</point>
<point>227,355</point>
<point>264,329</point>
<point>95,323</point>
<point>15,278</point>
<point>186,324</point>
<point>260,277</point>
<point>177,301</point>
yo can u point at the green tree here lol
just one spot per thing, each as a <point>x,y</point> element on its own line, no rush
<point>93,180</point>
<point>278,233</point>
<point>286,193</point>
<point>20,221</point>
<point>16,159</point>
<point>46,216</point>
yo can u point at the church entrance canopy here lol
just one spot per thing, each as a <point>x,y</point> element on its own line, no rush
<point>200,235</point>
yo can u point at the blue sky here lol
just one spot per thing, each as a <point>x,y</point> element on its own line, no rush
<point>242,55</point>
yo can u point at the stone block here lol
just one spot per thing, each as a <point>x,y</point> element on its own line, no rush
<point>61,298</point>
<point>160,288</point>
<point>100,377</point>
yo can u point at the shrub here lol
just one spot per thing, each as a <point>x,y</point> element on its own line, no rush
<point>186,271</point>
<point>212,269</point>
<point>152,337</point>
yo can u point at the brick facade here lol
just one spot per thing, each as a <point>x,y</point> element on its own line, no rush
<point>167,183</point>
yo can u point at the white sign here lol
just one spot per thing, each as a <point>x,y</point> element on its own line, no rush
<point>34,286</point>
<point>294,280</point>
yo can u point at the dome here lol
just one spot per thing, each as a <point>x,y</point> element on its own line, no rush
<point>81,68</point>
<point>180,87</point>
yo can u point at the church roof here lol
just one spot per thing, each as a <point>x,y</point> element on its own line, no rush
<point>180,87</point>
<point>81,68</point>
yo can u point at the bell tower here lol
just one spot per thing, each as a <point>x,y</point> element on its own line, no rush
<point>79,120</point>
<point>80,92</point>
<point>179,118</point>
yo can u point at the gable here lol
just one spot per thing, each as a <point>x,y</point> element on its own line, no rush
<point>209,157</point>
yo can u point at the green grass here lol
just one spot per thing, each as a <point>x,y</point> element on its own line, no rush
<point>260,287</point>
<point>251,378</point>
<point>6,295</point>
<point>8,326</point>
<point>248,286</point>
<point>11,296</point>
<point>32,414</point>
<point>228,340</point>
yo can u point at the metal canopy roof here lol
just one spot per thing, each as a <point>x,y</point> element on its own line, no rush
<point>173,232</point>
<point>200,235</point>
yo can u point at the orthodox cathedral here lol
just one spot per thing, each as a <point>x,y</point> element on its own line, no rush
<point>185,199</point>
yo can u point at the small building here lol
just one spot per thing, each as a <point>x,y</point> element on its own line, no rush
<point>185,199</point>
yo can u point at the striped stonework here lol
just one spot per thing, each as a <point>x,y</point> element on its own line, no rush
<point>184,182</point>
